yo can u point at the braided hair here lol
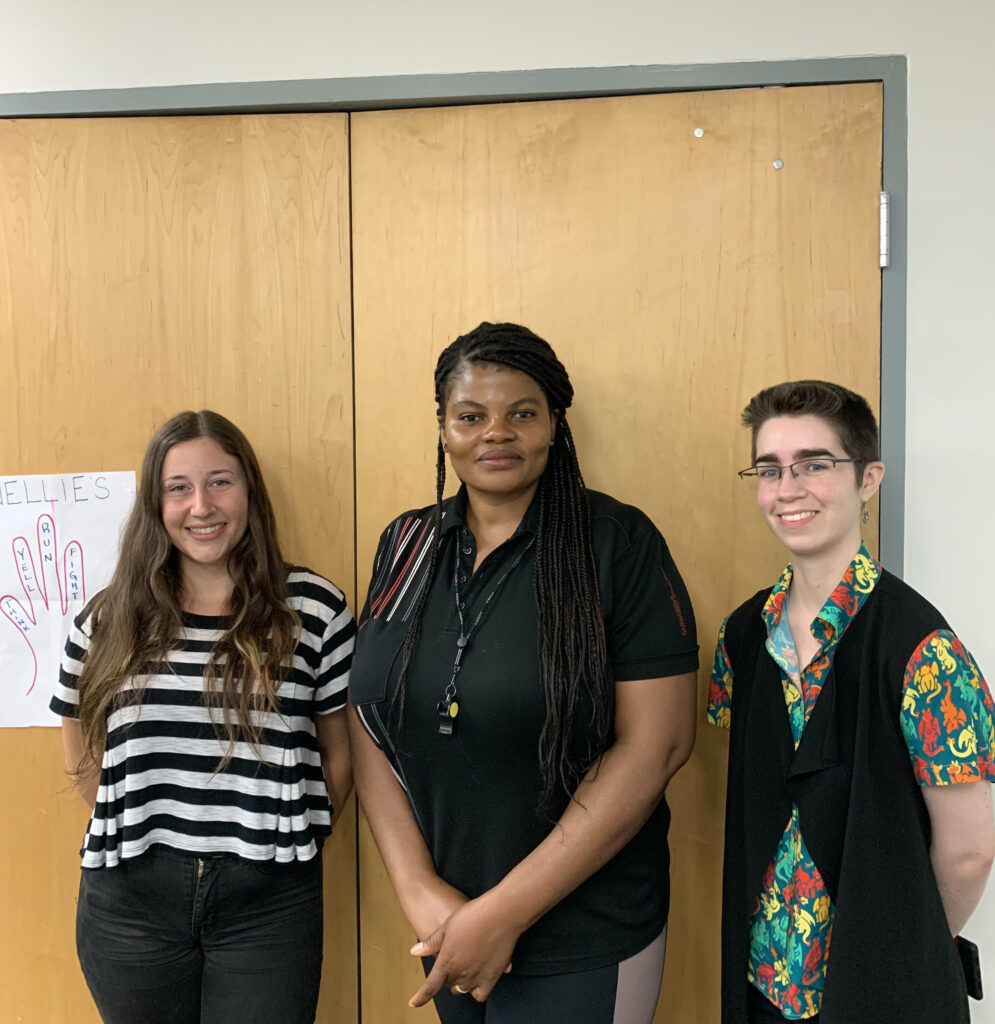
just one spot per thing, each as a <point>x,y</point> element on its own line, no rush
<point>572,650</point>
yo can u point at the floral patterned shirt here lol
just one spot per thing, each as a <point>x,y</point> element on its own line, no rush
<point>947,722</point>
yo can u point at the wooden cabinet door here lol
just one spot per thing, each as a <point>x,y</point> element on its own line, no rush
<point>149,265</point>
<point>680,252</point>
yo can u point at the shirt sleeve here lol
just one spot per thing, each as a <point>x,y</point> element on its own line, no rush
<point>652,630</point>
<point>65,700</point>
<point>376,576</point>
<point>719,710</point>
<point>946,716</point>
<point>337,644</point>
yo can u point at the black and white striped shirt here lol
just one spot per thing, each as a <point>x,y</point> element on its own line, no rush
<point>158,779</point>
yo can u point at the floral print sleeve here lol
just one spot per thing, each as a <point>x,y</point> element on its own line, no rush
<point>720,688</point>
<point>947,715</point>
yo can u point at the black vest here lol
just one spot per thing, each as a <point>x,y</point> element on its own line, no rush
<point>891,957</point>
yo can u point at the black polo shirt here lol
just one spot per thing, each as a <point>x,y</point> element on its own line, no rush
<point>475,793</point>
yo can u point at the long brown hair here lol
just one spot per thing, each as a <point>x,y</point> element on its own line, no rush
<point>137,619</point>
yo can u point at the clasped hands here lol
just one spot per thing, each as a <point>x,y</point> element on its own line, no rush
<point>472,949</point>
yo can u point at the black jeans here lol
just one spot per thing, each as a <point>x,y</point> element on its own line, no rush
<point>172,938</point>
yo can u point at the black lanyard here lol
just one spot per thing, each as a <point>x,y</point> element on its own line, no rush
<point>448,707</point>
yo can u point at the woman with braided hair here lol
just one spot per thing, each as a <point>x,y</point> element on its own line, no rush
<point>524,688</point>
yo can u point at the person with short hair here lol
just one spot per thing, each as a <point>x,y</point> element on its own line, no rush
<point>202,696</point>
<point>524,687</point>
<point>859,831</point>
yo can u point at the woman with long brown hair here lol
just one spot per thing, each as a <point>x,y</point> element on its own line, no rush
<point>524,688</point>
<point>202,695</point>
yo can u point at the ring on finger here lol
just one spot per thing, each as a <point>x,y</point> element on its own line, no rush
<point>462,991</point>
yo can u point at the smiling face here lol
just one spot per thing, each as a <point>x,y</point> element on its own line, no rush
<point>814,517</point>
<point>204,502</point>
<point>498,428</point>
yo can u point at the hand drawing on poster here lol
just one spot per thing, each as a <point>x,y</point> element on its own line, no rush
<point>58,547</point>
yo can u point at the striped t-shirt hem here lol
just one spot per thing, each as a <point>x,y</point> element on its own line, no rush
<point>159,783</point>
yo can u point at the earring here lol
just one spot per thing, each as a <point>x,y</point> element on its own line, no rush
<point>866,516</point>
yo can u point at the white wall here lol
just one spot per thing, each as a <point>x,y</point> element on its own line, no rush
<point>950,555</point>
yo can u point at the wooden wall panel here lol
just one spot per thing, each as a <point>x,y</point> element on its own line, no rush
<point>152,264</point>
<point>149,265</point>
<point>675,275</point>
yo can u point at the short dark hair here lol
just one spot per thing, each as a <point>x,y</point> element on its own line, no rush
<point>848,413</point>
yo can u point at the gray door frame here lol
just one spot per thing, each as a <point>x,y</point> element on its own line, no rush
<point>396,91</point>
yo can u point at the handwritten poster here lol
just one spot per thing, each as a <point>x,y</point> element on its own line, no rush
<point>58,546</point>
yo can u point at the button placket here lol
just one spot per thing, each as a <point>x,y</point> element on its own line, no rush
<point>465,558</point>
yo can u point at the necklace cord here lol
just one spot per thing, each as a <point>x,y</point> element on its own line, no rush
<point>448,703</point>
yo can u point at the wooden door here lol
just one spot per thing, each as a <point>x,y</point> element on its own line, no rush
<point>680,252</point>
<point>149,265</point>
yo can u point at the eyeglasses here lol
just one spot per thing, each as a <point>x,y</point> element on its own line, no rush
<point>769,474</point>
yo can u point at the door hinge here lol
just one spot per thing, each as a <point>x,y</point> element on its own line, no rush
<point>884,210</point>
